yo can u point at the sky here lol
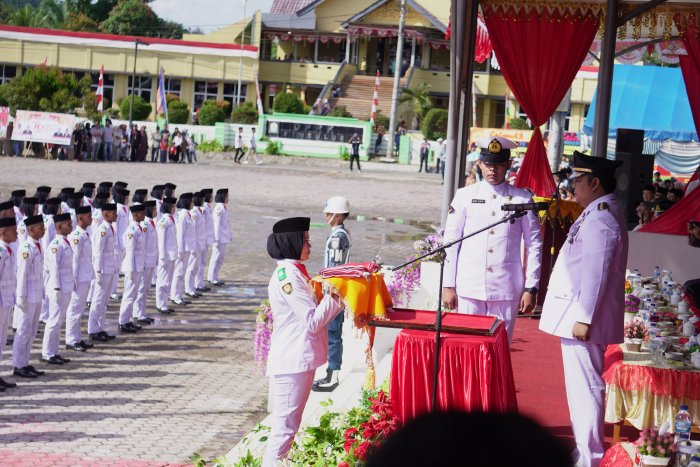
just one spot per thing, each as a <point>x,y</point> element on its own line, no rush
<point>207,14</point>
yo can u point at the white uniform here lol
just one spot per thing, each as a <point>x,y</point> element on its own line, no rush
<point>222,237</point>
<point>587,286</point>
<point>167,255</point>
<point>8,287</point>
<point>487,270</point>
<point>49,235</point>
<point>96,222</point>
<point>196,257</point>
<point>134,261</point>
<point>60,284</point>
<point>21,237</point>
<point>122,222</point>
<point>30,293</point>
<point>105,265</point>
<point>186,245</point>
<point>150,262</point>
<point>83,273</point>
<point>209,230</point>
<point>298,346</point>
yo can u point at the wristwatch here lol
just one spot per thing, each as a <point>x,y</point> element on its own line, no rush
<point>532,290</point>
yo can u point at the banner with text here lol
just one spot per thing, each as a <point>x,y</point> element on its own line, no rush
<point>43,127</point>
<point>517,136</point>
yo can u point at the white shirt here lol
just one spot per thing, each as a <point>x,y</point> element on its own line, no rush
<point>59,265</point>
<point>134,249</point>
<point>167,238</point>
<point>30,272</point>
<point>8,276</point>
<point>222,230</point>
<point>150,242</point>
<point>82,255</point>
<point>104,249</point>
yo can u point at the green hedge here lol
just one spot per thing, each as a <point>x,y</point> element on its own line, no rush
<point>288,103</point>
<point>435,124</point>
<point>246,113</point>
<point>209,114</point>
<point>178,112</point>
<point>142,109</point>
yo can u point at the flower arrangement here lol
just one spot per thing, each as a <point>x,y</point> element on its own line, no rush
<point>635,330</point>
<point>631,304</point>
<point>408,278</point>
<point>653,443</point>
<point>359,442</point>
<point>263,334</point>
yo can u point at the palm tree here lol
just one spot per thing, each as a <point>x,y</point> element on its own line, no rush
<point>419,101</point>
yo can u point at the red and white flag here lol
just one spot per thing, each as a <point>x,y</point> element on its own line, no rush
<point>100,90</point>
<point>375,100</point>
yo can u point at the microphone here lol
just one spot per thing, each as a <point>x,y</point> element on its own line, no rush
<point>565,172</point>
<point>520,207</point>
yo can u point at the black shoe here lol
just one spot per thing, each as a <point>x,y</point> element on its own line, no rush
<point>7,384</point>
<point>76,347</point>
<point>167,311</point>
<point>2,389</point>
<point>99,337</point>
<point>146,320</point>
<point>217,283</point>
<point>108,336</point>
<point>325,380</point>
<point>179,302</point>
<point>193,295</point>
<point>55,360</point>
<point>23,373</point>
<point>136,326</point>
<point>86,345</point>
<point>35,371</point>
<point>327,384</point>
<point>202,289</point>
<point>64,360</point>
<point>127,328</point>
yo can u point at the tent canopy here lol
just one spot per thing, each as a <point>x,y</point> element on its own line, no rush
<point>649,98</point>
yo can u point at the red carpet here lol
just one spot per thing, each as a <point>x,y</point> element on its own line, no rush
<point>539,381</point>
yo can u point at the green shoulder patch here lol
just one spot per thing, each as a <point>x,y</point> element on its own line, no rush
<point>281,274</point>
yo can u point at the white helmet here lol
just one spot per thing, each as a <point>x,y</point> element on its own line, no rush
<point>337,205</point>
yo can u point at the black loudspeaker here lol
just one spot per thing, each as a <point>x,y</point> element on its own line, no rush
<point>635,172</point>
<point>631,141</point>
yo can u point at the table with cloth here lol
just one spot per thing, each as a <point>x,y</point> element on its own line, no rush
<point>475,371</point>
<point>644,394</point>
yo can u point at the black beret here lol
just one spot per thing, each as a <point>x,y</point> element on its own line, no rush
<point>30,200</point>
<point>170,186</point>
<point>61,218</point>
<point>121,184</point>
<point>170,200</point>
<point>43,189</point>
<point>6,205</point>
<point>55,201</point>
<point>141,191</point>
<point>68,190</point>
<point>222,191</point>
<point>31,220</point>
<point>151,203</point>
<point>18,193</point>
<point>137,208</point>
<point>7,222</point>
<point>186,196</point>
<point>293,224</point>
<point>107,184</point>
<point>83,210</point>
<point>89,185</point>
<point>109,207</point>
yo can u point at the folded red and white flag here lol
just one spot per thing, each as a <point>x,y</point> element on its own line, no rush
<point>350,270</point>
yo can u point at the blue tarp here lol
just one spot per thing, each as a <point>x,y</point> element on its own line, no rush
<point>649,98</point>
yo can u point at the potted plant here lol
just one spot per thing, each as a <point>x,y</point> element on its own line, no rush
<point>655,447</point>
<point>631,307</point>
<point>635,331</point>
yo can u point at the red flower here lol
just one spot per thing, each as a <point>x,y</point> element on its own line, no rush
<point>350,433</point>
<point>362,450</point>
<point>368,433</point>
<point>343,464</point>
<point>348,444</point>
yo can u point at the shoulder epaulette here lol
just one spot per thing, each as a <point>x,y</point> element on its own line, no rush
<point>603,206</point>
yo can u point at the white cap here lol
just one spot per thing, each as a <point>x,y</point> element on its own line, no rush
<point>487,140</point>
<point>337,205</point>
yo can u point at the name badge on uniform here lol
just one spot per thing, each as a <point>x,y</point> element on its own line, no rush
<point>479,201</point>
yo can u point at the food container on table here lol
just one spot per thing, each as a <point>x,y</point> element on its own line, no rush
<point>683,307</point>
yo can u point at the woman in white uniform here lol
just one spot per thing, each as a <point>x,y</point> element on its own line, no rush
<point>300,333</point>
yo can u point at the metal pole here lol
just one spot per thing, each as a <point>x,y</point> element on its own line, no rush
<point>240,56</point>
<point>556,134</point>
<point>397,82</point>
<point>605,77</point>
<point>133,83</point>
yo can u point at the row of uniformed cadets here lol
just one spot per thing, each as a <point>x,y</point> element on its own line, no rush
<point>59,256</point>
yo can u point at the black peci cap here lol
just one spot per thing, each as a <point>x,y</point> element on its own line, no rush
<point>169,200</point>
<point>6,205</point>
<point>106,184</point>
<point>51,201</point>
<point>292,224</point>
<point>169,186</point>
<point>43,189</point>
<point>7,222</point>
<point>83,210</point>
<point>61,218</point>
<point>89,185</point>
<point>109,207</point>
<point>137,208</point>
<point>18,193</point>
<point>31,220</point>
<point>151,203</point>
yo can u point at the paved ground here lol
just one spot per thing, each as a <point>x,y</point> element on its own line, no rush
<point>185,385</point>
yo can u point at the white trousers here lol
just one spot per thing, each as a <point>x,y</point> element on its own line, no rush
<point>5,314</point>
<point>142,294</point>
<point>120,257</point>
<point>45,304</point>
<point>191,272</point>
<point>585,393</point>
<point>178,287</point>
<point>164,281</point>
<point>132,281</point>
<point>26,331</point>
<point>507,310</point>
<point>91,292</point>
<point>16,318</point>
<point>199,280</point>
<point>75,312</point>
<point>58,305</point>
<point>100,299</point>
<point>290,393</point>
<point>218,250</point>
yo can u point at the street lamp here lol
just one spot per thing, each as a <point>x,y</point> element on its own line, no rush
<point>133,79</point>
<point>240,56</point>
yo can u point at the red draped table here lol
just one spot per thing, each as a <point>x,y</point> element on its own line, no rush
<point>475,373</point>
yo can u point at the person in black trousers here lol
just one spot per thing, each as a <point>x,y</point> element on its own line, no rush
<point>424,152</point>
<point>355,143</point>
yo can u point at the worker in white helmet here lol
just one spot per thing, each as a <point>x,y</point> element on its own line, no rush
<point>337,252</point>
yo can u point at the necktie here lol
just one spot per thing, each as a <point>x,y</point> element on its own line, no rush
<point>38,245</point>
<point>9,250</point>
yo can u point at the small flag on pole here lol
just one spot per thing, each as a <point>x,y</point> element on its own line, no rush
<point>161,101</point>
<point>100,90</point>
<point>375,100</point>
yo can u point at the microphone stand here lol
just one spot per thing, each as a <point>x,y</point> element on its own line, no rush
<point>438,316</point>
<point>555,198</point>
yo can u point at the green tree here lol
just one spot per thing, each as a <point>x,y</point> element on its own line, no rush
<point>245,113</point>
<point>340,111</point>
<point>135,17</point>
<point>210,114</point>
<point>81,22</point>
<point>89,102</point>
<point>26,16</point>
<point>142,109</point>
<point>178,112</point>
<point>46,89</point>
<point>435,124</point>
<point>418,100</point>
<point>287,102</point>
<point>518,123</point>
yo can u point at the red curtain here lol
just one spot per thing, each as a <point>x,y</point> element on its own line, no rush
<point>539,54</point>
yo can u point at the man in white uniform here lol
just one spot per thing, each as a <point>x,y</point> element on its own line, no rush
<point>133,264</point>
<point>105,265</point>
<point>585,299</point>
<point>222,235</point>
<point>8,277</point>
<point>484,274</point>
<point>185,247</point>
<point>83,273</point>
<point>167,254</point>
<point>148,225</point>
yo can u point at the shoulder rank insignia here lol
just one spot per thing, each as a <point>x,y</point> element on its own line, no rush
<point>287,288</point>
<point>76,241</point>
<point>103,233</point>
<point>603,206</point>
<point>281,274</point>
<point>450,210</point>
<point>54,250</point>
<point>25,255</point>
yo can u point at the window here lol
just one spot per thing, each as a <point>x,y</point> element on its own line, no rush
<point>172,86</point>
<point>203,91</point>
<point>142,88</point>
<point>7,72</point>
<point>230,93</point>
